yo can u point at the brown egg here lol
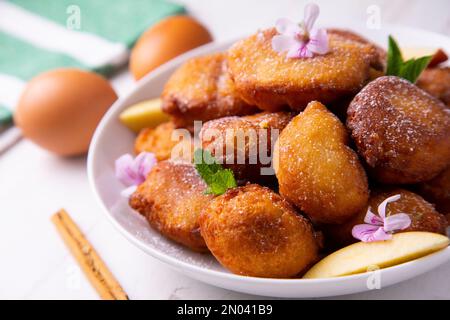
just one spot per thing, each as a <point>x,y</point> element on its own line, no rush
<point>60,109</point>
<point>164,41</point>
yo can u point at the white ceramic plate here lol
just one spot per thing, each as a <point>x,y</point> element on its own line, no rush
<point>112,139</point>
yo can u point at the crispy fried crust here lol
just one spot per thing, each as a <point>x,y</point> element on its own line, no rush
<point>239,142</point>
<point>401,131</point>
<point>423,216</point>
<point>171,198</point>
<point>437,191</point>
<point>436,82</point>
<point>253,231</point>
<point>157,140</point>
<point>202,90</point>
<point>316,169</point>
<point>271,81</point>
<point>162,141</point>
<point>378,64</point>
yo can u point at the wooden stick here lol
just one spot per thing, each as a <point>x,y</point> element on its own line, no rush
<point>90,262</point>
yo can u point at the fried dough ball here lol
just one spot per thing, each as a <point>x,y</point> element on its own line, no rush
<point>244,144</point>
<point>316,169</point>
<point>253,231</point>
<point>164,143</point>
<point>269,80</point>
<point>201,89</point>
<point>436,82</point>
<point>423,216</point>
<point>171,199</point>
<point>401,131</point>
<point>437,191</point>
<point>380,63</point>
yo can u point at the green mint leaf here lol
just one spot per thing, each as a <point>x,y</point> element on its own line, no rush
<point>221,182</point>
<point>409,70</point>
<point>205,164</point>
<point>218,179</point>
<point>412,69</point>
<point>394,58</point>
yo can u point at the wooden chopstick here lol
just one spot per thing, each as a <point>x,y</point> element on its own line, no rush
<point>90,262</point>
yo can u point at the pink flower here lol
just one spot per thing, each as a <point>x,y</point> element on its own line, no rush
<point>132,172</point>
<point>379,228</point>
<point>301,41</point>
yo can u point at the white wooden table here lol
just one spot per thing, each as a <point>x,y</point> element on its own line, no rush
<point>35,264</point>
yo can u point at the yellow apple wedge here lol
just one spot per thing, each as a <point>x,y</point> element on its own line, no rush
<point>361,256</point>
<point>145,114</point>
<point>417,52</point>
<point>438,55</point>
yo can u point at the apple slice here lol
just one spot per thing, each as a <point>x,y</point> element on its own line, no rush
<point>363,256</point>
<point>145,114</point>
<point>439,55</point>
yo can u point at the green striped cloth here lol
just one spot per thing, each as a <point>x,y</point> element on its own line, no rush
<point>39,35</point>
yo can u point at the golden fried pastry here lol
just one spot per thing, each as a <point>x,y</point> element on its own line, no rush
<point>380,63</point>
<point>253,231</point>
<point>316,169</point>
<point>269,80</point>
<point>244,144</point>
<point>437,191</point>
<point>436,82</point>
<point>202,90</point>
<point>162,141</point>
<point>401,131</point>
<point>171,199</point>
<point>423,216</point>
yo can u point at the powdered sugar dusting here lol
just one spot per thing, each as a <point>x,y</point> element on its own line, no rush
<point>260,72</point>
<point>399,126</point>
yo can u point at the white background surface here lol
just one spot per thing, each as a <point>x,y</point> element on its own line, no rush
<point>35,264</point>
